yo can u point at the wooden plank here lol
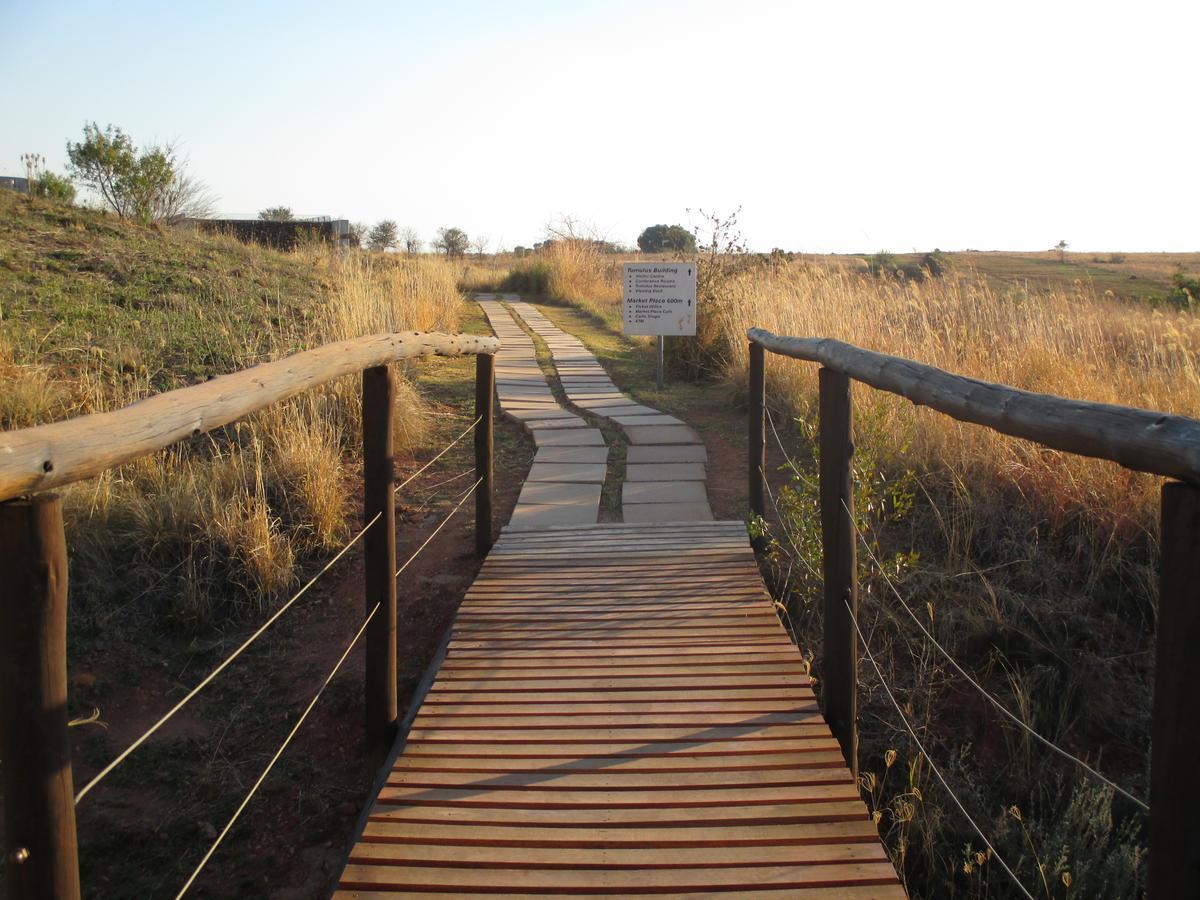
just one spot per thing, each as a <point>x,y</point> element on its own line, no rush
<point>844,892</point>
<point>813,757</point>
<point>645,858</point>
<point>551,780</point>
<point>652,682</point>
<point>566,881</point>
<point>620,712</point>
<point>37,459</point>
<point>699,836</point>
<point>586,817</point>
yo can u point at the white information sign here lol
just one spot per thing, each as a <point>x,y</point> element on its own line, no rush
<point>660,298</point>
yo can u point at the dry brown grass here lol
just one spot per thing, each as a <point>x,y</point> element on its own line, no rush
<point>1067,342</point>
<point>224,524</point>
<point>1037,569</point>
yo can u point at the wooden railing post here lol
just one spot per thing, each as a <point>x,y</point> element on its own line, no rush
<point>485,391</point>
<point>1174,869</point>
<point>39,797</point>
<point>758,429</point>
<point>379,554</point>
<point>840,659</point>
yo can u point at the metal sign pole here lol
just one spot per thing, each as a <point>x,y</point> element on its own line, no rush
<point>661,341</point>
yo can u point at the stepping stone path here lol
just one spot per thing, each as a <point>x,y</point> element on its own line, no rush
<point>564,483</point>
<point>664,475</point>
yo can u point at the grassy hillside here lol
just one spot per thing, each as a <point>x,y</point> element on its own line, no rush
<point>97,313</point>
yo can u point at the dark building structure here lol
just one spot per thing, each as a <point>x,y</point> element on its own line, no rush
<point>280,235</point>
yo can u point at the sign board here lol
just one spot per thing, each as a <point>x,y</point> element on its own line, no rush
<point>660,298</point>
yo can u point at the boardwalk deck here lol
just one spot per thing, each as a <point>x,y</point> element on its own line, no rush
<point>618,713</point>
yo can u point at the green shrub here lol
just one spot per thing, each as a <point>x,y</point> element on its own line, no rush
<point>534,279</point>
<point>882,263</point>
<point>54,187</point>
<point>1185,290</point>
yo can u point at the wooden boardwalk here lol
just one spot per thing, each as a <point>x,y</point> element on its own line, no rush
<point>619,712</point>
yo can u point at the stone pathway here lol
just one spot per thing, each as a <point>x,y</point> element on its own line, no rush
<point>665,465</point>
<point>564,483</point>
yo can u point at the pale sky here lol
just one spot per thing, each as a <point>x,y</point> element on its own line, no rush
<point>837,126</point>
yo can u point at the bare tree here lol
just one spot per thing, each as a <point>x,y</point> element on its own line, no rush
<point>410,240</point>
<point>480,245</point>
<point>573,228</point>
<point>186,197</point>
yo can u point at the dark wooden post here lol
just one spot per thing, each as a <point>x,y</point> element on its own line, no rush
<point>758,429</point>
<point>39,797</point>
<point>379,553</point>
<point>1174,869</point>
<point>485,390</point>
<point>840,664</point>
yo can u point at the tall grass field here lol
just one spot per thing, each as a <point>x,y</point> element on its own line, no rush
<point>98,313</point>
<point>1035,569</point>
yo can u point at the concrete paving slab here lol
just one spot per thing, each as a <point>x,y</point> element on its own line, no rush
<point>671,453</point>
<point>668,512</point>
<point>587,473</point>
<point>556,413</point>
<point>569,437</point>
<point>542,424</point>
<point>660,419</point>
<point>661,434</point>
<point>571,455</point>
<point>559,493</point>
<point>634,492</point>
<point>672,471</point>
<point>593,402</point>
<point>627,409</point>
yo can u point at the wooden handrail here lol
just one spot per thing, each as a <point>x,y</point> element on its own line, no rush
<point>1138,439</point>
<point>48,456</point>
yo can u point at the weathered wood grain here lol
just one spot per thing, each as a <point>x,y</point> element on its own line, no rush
<point>629,721</point>
<point>36,459</point>
<point>1139,439</point>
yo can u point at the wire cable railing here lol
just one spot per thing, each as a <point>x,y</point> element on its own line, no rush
<point>462,498</point>
<point>278,753</point>
<point>1016,720</point>
<point>991,698</point>
<point>35,558</point>
<point>442,453</point>
<point>862,638</point>
<point>459,502</point>
<point>204,682</point>
<point>925,753</point>
<point>275,616</point>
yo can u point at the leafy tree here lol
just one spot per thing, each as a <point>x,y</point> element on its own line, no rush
<point>663,238</point>
<point>383,236</point>
<point>147,185</point>
<point>452,241</point>
<point>410,240</point>
<point>1061,247</point>
<point>276,214</point>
